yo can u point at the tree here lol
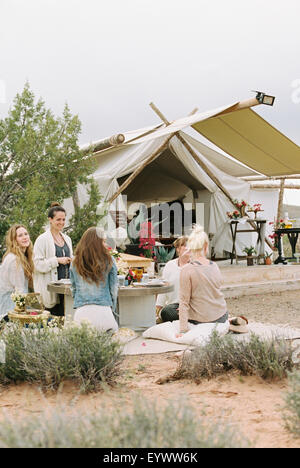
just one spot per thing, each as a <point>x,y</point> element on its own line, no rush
<point>40,162</point>
<point>85,216</point>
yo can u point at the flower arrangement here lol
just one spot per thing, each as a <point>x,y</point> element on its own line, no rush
<point>19,299</point>
<point>147,239</point>
<point>233,214</point>
<point>256,207</point>
<point>114,253</point>
<point>23,299</point>
<point>240,204</point>
<point>130,276</point>
<point>279,224</point>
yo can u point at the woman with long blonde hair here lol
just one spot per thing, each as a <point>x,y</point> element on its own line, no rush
<point>17,267</point>
<point>94,279</point>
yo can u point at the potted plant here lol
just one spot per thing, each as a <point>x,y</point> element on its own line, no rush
<point>268,259</point>
<point>162,256</point>
<point>249,251</point>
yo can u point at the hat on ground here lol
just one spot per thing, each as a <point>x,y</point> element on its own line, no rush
<point>238,324</point>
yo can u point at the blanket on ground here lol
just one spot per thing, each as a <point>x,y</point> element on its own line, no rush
<point>161,338</point>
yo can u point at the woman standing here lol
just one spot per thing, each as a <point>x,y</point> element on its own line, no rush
<point>94,279</point>
<point>52,257</point>
<point>201,299</point>
<point>17,267</point>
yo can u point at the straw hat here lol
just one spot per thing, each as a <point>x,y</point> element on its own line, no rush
<point>238,324</point>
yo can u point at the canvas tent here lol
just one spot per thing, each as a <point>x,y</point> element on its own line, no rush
<point>163,163</point>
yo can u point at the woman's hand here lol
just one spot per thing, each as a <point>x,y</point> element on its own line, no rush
<point>64,260</point>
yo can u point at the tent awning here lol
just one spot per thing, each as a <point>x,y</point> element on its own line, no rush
<point>251,140</point>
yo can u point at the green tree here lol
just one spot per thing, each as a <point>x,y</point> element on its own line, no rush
<point>85,216</point>
<point>40,162</point>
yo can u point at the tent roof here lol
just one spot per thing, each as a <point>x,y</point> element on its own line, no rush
<point>252,140</point>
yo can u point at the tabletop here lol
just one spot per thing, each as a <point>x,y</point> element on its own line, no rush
<point>123,290</point>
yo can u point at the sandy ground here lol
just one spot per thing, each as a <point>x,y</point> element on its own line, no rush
<point>253,405</point>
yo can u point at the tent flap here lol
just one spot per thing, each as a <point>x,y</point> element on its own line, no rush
<point>250,139</point>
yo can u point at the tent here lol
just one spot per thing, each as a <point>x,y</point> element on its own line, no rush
<point>162,163</point>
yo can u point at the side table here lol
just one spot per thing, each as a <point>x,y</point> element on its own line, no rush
<point>257,225</point>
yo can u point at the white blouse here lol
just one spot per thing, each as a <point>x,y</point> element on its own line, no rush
<point>12,278</point>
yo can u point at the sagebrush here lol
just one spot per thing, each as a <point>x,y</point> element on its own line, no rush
<point>49,356</point>
<point>269,359</point>
<point>292,399</point>
<point>139,425</point>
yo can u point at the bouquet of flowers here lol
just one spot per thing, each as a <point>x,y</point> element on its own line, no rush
<point>19,299</point>
<point>241,206</point>
<point>274,237</point>
<point>25,299</point>
<point>233,214</point>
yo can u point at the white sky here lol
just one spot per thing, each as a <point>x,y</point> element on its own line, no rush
<point>109,59</point>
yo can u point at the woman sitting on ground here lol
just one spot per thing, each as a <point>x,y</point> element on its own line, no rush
<point>94,279</point>
<point>167,304</point>
<point>201,299</point>
<point>17,267</point>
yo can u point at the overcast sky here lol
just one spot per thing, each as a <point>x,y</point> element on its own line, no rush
<point>109,59</point>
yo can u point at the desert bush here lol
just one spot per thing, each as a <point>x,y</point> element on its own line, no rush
<point>291,414</point>
<point>140,425</point>
<point>269,359</point>
<point>49,356</point>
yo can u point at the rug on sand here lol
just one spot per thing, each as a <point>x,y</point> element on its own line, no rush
<point>162,338</point>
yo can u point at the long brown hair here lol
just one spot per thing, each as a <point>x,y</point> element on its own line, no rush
<point>92,259</point>
<point>25,259</point>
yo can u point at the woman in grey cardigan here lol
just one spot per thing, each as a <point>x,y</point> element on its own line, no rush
<point>52,255</point>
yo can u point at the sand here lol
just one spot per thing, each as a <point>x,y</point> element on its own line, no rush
<point>253,405</point>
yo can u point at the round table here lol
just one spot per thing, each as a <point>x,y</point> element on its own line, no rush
<point>136,304</point>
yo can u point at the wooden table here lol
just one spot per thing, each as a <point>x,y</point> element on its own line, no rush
<point>292,234</point>
<point>136,304</point>
<point>257,225</point>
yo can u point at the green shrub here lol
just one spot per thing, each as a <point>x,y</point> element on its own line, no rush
<point>142,425</point>
<point>49,356</point>
<point>269,359</point>
<point>292,408</point>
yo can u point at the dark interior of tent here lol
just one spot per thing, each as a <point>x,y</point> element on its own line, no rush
<point>164,181</point>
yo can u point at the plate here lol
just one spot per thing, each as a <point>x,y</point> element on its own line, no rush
<point>148,285</point>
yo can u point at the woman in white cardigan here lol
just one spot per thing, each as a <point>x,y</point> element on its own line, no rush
<point>52,255</point>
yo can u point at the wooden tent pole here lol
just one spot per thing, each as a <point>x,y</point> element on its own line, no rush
<point>264,178</point>
<point>280,200</point>
<point>274,186</point>
<point>139,169</point>
<point>205,168</point>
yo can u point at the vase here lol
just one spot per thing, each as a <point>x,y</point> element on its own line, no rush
<point>160,267</point>
<point>268,261</point>
<point>243,211</point>
<point>19,310</point>
<point>249,260</point>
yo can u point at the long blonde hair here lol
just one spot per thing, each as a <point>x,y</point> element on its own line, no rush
<point>25,259</point>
